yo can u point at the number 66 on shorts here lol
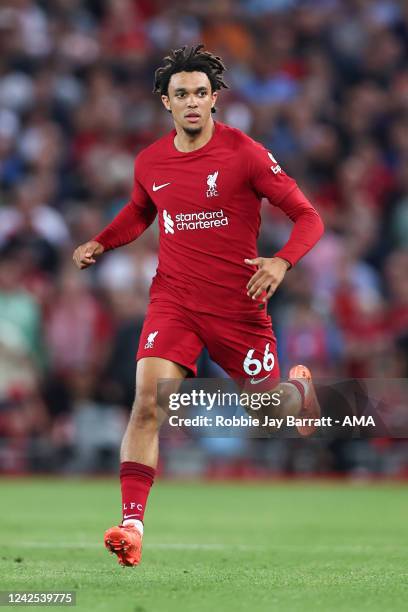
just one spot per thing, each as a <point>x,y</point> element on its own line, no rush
<point>252,366</point>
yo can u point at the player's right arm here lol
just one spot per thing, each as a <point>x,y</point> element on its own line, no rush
<point>85,255</point>
<point>129,224</point>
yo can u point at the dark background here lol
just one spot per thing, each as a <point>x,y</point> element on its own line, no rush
<point>323,84</point>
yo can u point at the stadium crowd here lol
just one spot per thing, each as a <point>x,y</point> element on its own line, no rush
<point>322,83</point>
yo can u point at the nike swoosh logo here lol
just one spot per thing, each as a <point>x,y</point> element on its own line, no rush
<point>126,516</point>
<point>157,187</point>
<point>255,381</point>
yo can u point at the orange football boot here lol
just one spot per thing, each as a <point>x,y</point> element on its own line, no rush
<point>311,406</point>
<point>126,543</point>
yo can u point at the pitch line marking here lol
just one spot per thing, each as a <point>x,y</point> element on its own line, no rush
<point>353,549</point>
<point>151,545</point>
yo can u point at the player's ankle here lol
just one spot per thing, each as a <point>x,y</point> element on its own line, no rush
<point>301,384</point>
<point>134,523</point>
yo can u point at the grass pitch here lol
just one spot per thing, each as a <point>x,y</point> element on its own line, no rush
<point>211,547</point>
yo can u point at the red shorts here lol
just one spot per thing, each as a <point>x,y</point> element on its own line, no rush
<point>244,349</point>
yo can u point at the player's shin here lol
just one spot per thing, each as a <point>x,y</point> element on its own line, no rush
<point>285,399</point>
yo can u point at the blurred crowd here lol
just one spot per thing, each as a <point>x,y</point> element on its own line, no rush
<point>322,83</point>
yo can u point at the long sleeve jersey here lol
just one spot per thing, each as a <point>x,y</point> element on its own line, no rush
<point>208,205</point>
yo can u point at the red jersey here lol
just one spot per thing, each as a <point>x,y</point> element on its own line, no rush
<point>208,205</point>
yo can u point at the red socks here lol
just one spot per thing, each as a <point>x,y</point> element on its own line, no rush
<point>136,480</point>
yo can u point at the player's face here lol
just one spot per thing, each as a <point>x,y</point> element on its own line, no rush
<point>190,100</point>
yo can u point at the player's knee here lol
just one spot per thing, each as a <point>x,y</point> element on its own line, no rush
<point>144,411</point>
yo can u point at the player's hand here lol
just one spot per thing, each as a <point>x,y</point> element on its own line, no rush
<point>85,255</point>
<point>268,277</point>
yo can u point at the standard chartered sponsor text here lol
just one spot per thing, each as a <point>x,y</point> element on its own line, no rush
<point>201,220</point>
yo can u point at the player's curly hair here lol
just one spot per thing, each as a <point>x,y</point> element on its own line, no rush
<point>189,60</point>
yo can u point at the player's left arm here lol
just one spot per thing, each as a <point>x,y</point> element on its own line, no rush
<point>270,181</point>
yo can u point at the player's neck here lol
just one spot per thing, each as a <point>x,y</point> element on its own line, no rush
<point>185,143</point>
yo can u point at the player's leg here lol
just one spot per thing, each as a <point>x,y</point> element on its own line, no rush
<point>139,456</point>
<point>169,348</point>
<point>309,411</point>
<point>246,350</point>
<point>141,440</point>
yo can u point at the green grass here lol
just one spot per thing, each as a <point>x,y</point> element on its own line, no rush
<point>213,547</point>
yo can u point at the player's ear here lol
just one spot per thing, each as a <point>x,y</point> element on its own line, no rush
<point>214,97</point>
<point>166,103</point>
